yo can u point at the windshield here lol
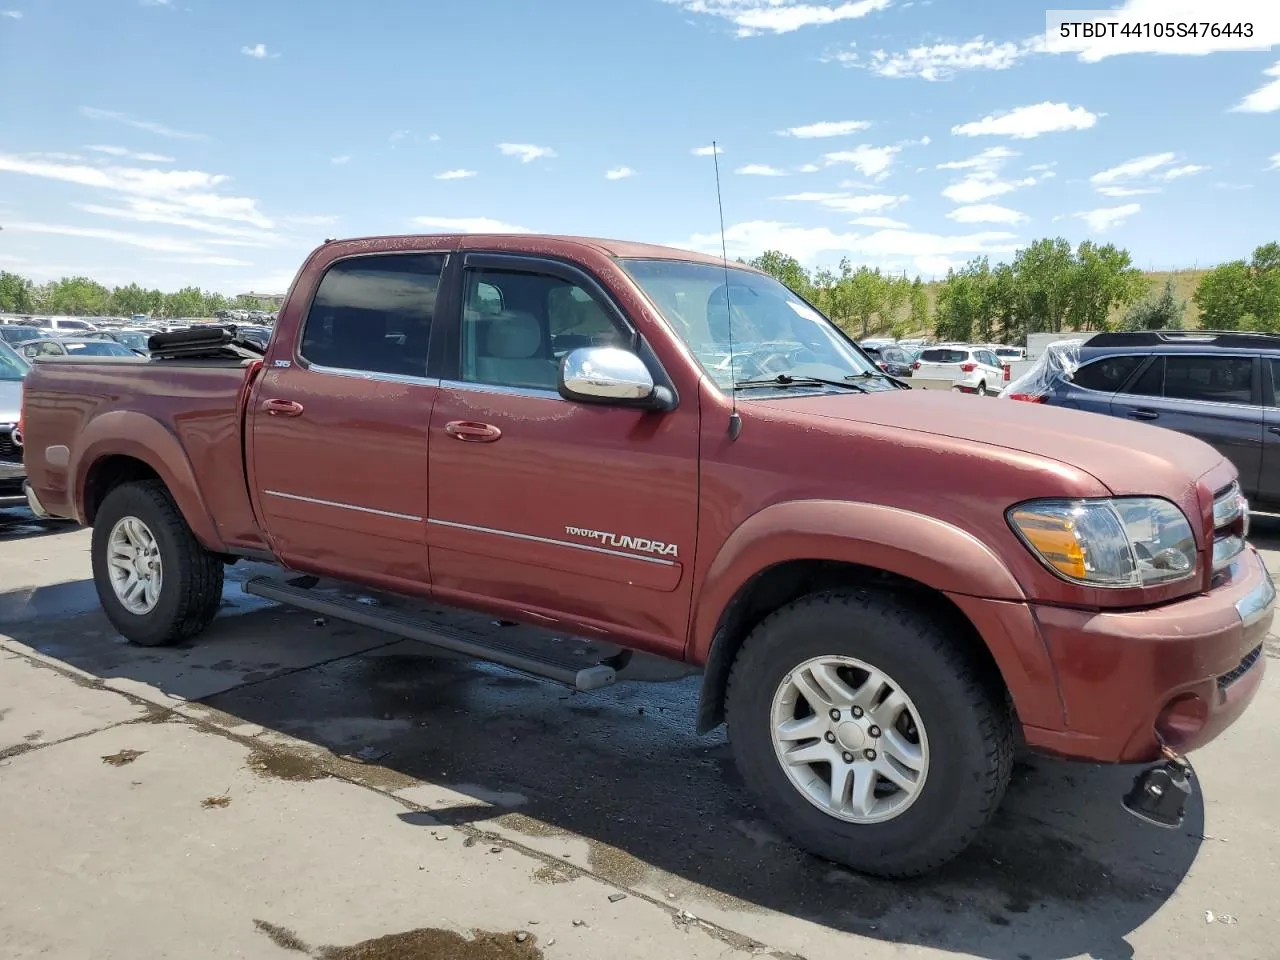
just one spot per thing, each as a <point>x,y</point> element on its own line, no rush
<point>15,334</point>
<point>134,341</point>
<point>97,348</point>
<point>774,332</point>
<point>12,366</point>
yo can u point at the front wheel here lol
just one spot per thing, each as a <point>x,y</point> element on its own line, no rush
<point>869,733</point>
<point>157,584</point>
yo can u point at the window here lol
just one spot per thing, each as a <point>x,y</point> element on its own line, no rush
<point>943,355</point>
<point>1151,383</point>
<point>374,314</point>
<point>12,366</point>
<point>1108,374</point>
<point>989,358</point>
<point>517,326</point>
<point>1224,379</point>
<point>1275,382</point>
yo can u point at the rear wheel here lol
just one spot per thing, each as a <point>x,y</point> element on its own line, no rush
<point>982,389</point>
<point>868,733</point>
<point>157,584</point>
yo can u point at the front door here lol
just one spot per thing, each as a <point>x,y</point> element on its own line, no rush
<point>560,512</point>
<point>1213,397</point>
<point>338,456</point>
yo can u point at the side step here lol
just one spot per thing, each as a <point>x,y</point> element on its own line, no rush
<point>561,670</point>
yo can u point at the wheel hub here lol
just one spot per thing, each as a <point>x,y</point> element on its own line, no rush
<point>134,567</point>
<point>850,739</point>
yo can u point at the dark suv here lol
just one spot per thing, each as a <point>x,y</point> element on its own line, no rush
<point>1221,387</point>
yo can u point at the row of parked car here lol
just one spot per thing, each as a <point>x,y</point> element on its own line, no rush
<point>981,368</point>
<point>82,338</point>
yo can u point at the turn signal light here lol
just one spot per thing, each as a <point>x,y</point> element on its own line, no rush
<point>968,367</point>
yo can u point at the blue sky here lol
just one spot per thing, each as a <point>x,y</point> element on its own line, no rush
<point>216,141</point>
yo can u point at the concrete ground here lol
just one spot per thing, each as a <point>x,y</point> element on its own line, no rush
<point>284,786</point>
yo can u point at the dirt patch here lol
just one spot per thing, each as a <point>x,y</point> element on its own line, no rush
<point>16,750</point>
<point>282,937</point>
<point>284,766</point>
<point>554,873</point>
<point>529,826</point>
<point>422,944</point>
<point>429,944</point>
<point>210,803</point>
<point>123,757</point>
<point>622,868</point>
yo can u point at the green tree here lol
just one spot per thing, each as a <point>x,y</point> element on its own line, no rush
<point>786,270</point>
<point>919,298</point>
<point>961,313</point>
<point>187,302</point>
<point>1043,278</point>
<point>17,294</point>
<point>130,300</point>
<point>1242,295</point>
<point>75,297</point>
<point>1163,312</point>
<point>1100,278</point>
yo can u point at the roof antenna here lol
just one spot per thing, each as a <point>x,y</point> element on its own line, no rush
<point>735,418</point>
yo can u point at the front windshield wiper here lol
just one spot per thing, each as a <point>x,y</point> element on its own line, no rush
<point>786,380</point>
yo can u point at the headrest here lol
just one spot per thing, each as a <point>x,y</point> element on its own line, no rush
<point>513,336</point>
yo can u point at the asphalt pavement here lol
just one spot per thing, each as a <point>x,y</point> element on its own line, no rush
<point>285,785</point>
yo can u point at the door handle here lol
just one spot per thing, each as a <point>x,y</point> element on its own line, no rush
<point>1144,415</point>
<point>1275,430</point>
<point>472,432</point>
<point>282,408</point>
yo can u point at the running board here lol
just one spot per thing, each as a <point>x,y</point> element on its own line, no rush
<point>561,670</point>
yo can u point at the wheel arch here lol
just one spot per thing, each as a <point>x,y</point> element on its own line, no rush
<point>123,446</point>
<point>789,550</point>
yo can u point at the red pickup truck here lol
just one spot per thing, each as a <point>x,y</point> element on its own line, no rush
<point>887,589</point>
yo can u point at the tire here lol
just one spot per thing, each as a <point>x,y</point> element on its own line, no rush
<point>966,718</point>
<point>189,589</point>
<point>982,389</point>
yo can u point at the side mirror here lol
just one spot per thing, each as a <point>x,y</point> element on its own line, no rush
<point>610,375</point>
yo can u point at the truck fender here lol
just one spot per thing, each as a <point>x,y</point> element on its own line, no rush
<point>929,551</point>
<point>132,434</point>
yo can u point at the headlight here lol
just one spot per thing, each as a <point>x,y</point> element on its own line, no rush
<point>1124,542</point>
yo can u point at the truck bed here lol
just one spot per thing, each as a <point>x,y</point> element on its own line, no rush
<point>199,403</point>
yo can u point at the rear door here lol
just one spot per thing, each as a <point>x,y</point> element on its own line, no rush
<point>1213,397</point>
<point>338,428</point>
<point>1269,476</point>
<point>1095,383</point>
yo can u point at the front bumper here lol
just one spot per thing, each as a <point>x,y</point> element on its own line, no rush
<point>1180,673</point>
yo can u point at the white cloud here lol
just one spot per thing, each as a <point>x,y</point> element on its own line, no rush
<point>397,136</point>
<point>619,173</point>
<point>1260,14</point>
<point>990,159</point>
<point>1184,171</point>
<point>434,138</point>
<point>825,128</point>
<point>125,154</point>
<point>1142,175</point>
<point>1024,123</point>
<point>1132,169</point>
<point>340,161</point>
<point>1266,99</point>
<point>753,17</point>
<point>147,211</point>
<point>1104,218</point>
<point>809,168</point>
<point>143,241</point>
<point>848,202</point>
<point>760,170</point>
<point>942,61</point>
<point>11,14</point>
<point>1275,161</point>
<point>209,261</point>
<point>888,248</point>
<point>155,3</point>
<point>159,129</point>
<point>468,225</point>
<point>458,174</point>
<point>526,152</point>
<point>258,51</point>
<point>870,161</point>
<point>985,213</point>
<point>881,223</point>
<point>710,150</point>
<point>311,219</point>
<point>984,186</point>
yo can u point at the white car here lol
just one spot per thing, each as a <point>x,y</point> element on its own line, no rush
<point>970,369</point>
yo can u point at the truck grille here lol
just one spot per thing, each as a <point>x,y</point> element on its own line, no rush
<point>8,449</point>
<point>1230,526</point>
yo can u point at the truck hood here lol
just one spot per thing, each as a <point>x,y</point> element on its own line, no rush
<point>1126,457</point>
<point>10,400</point>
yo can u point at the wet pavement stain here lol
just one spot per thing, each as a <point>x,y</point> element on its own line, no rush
<point>123,757</point>
<point>425,943</point>
<point>284,766</point>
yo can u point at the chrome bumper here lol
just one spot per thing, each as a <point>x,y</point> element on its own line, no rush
<point>1258,602</point>
<point>12,471</point>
